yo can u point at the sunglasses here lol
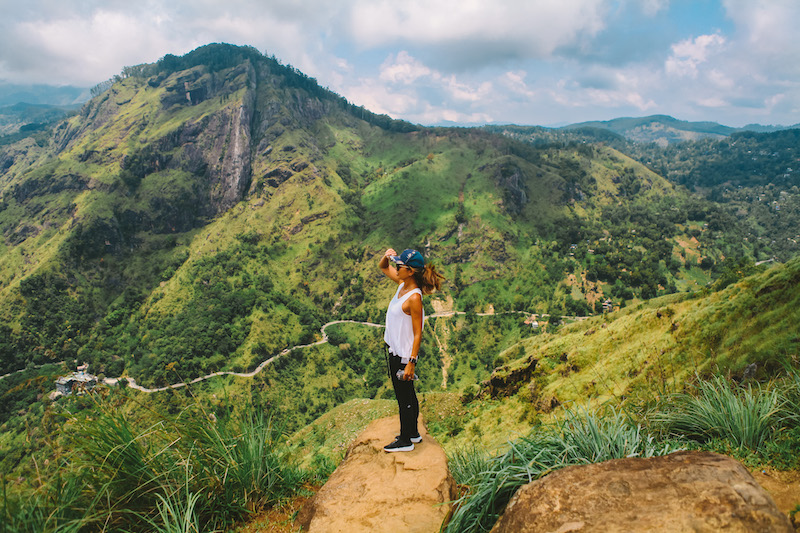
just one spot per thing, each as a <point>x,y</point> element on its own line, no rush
<point>398,266</point>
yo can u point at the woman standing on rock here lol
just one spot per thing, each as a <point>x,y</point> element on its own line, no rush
<point>404,320</point>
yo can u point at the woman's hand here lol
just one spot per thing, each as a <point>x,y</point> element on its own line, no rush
<point>385,264</point>
<point>408,375</point>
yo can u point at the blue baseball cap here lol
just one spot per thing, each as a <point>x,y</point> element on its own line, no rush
<point>410,258</point>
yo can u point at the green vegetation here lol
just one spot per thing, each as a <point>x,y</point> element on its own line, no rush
<point>150,257</point>
<point>751,177</point>
<point>657,374</point>
<point>189,472</point>
<point>733,416</point>
<point>746,418</point>
<point>207,212</point>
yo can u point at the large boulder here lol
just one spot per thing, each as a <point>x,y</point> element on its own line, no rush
<point>683,492</point>
<point>377,491</point>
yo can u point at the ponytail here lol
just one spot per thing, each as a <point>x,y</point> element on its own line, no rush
<point>428,279</point>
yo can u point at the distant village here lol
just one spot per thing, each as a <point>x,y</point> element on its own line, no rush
<point>539,321</point>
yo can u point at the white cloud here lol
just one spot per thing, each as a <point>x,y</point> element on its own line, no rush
<point>767,35</point>
<point>381,98</point>
<point>652,7</point>
<point>89,49</point>
<point>407,87</point>
<point>721,80</point>
<point>713,101</point>
<point>466,92</point>
<point>403,68</point>
<point>437,115</point>
<point>688,55</point>
<point>87,42</point>
<point>515,82</point>
<point>486,30</point>
<point>452,59</point>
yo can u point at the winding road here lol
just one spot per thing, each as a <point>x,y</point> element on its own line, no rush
<point>132,382</point>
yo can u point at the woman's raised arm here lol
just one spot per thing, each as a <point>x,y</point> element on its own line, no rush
<point>386,266</point>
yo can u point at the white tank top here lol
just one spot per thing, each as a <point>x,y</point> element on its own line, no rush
<point>399,333</point>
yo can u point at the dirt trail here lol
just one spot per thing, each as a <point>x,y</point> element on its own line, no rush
<point>447,359</point>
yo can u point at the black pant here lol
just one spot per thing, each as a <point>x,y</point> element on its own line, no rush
<point>406,399</point>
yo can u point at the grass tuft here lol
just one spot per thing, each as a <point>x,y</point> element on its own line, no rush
<point>745,416</point>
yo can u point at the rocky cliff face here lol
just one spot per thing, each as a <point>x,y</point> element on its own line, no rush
<point>195,121</point>
<point>224,143</point>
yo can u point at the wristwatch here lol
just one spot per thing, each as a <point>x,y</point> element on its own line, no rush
<point>412,360</point>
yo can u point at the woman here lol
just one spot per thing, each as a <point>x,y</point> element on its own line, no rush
<point>404,320</point>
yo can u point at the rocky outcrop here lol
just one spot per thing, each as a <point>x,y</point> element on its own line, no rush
<point>512,181</point>
<point>682,492</point>
<point>377,491</point>
<point>225,140</point>
<point>234,175</point>
<point>506,381</point>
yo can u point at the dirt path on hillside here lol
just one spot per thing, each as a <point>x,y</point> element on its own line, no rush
<point>447,359</point>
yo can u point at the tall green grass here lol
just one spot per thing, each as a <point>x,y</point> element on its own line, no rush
<point>189,473</point>
<point>744,416</point>
<point>129,465</point>
<point>57,507</point>
<point>759,420</point>
<point>177,515</point>
<point>244,461</point>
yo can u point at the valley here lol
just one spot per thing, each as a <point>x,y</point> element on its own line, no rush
<point>207,230</point>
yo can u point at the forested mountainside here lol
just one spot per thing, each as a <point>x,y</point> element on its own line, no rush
<point>216,207</point>
<point>659,129</point>
<point>752,176</point>
<point>664,130</point>
<point>22,120</point>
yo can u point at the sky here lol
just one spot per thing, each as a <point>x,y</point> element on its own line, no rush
<point>533,62</point>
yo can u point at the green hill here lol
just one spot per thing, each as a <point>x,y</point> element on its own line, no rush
<point>660,129</point>
<point>629,357</point>
<point>665,130</point>
<point>206,212</point>
<point>752,176</point>
<point>202,201</point>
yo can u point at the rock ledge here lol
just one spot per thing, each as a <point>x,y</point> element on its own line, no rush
<point>377,491</point>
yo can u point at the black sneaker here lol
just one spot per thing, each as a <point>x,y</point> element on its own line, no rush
<point>418,438</point>
<point>399,445</point>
